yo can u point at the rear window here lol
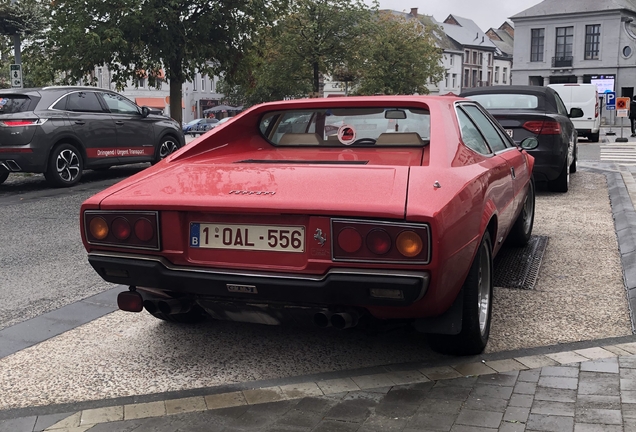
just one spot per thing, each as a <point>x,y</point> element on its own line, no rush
<point>506,101</point>
<point>337,127</point>
<point>14,104</point>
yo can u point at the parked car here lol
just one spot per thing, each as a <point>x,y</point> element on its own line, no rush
<point>533,111</point>
<point>190,125</point>
<point>60,131</point>
<point>251,224</point>
<point>584,96</point>
<point>203,126</point>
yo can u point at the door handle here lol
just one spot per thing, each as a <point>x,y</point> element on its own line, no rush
<point>79,122</point>
<point>512,172</point>
<point>119,123</point>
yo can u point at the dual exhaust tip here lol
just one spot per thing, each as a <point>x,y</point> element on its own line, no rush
<point>340,320</point>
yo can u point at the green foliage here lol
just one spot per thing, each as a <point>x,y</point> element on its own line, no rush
<point>26,17</point>
<point>141,37</point>
<point>400,57</point>
<point>289,60</point>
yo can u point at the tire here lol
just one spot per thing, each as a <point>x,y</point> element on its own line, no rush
<point>477,307</point>
<point>594,137</point>
<point>4,174</point>
<point>522,229</point>
<point>65,166</point>
<point>562,182</point>
<point>167,146</point>
<point>195,315</point>
<point>576,159</point>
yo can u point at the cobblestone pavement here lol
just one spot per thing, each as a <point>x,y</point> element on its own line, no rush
<point>584,390</point>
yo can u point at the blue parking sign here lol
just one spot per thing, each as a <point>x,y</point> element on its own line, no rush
<point>610,100</point>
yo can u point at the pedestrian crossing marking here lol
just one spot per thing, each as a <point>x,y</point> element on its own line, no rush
<point>618,152</point>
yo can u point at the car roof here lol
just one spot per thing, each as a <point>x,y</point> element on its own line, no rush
<point>535,90</point>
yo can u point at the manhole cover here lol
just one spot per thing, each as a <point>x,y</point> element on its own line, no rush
<point>519,267</point>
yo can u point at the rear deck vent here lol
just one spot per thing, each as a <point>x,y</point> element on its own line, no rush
<point>304,162</point>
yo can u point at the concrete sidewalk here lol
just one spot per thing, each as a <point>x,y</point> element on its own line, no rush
<point>585,390</point>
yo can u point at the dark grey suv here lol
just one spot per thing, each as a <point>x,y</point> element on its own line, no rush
<point>60,131</point>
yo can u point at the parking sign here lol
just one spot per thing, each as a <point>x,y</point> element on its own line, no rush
<point>610,100</point>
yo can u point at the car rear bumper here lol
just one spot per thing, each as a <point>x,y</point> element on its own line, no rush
<point>549,158</point>
<point>24,159</point>
<point>348,287</point>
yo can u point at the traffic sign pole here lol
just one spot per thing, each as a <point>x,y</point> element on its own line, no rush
<point>622,111</point>
<point>610,105</point>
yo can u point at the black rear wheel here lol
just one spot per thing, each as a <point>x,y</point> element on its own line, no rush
<point>4,174</point>
<point>477,308</point>
<point>562,182</point>
<point>65,166</point>
<point>594,137</point>
<point>167,146</point>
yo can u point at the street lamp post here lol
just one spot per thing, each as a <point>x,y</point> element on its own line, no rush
<point>16,44</point>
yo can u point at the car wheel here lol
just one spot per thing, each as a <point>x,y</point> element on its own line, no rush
<point>4,174</point>
<point>522,229</point>
<point>594,137</point>
<point>65,166</point>
<point>562,182</point>
<point>477,308</point>
<point>168,146</point>
<point>194,315</point>
<point>576,159</point>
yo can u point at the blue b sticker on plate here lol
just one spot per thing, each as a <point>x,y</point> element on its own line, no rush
<point>194,234</point>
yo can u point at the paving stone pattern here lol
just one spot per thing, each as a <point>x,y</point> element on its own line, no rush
<point>595,395</point>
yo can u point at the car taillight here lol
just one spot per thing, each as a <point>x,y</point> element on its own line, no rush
<point>543,127</point>
<point>122,229</point>
<point>360,241</point>
<point>15,123</point>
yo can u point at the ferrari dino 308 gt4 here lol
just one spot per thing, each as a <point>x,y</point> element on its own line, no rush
<point>326,211</point>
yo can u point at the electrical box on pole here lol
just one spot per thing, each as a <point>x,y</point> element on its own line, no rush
<point>16,76</point>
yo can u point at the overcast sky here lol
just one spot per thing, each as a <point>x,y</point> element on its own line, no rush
<point>485,13</point>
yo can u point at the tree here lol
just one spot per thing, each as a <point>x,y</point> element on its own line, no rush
<point>400,57</point>
<point>316,38</point>
<point>143,37</point>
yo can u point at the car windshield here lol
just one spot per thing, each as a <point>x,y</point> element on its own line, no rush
<point>506,101</point>
<point>338,127</point>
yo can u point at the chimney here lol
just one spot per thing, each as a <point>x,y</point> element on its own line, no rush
<point>414,12</point>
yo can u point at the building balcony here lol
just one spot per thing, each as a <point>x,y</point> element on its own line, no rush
<point>562,62</point>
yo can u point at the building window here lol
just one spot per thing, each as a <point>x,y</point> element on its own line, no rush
<point>202,83</point>
<point>194,83</point>
<point>100,78</point>
<point>466,56</point>
<point>474,57</point>
<point>564,40</point>
<point>454,80</point>
<point>447,77</point>
<point>466,78</point>
<point>451,59</point>
<point>474,83</point>
<point>536,43</point>
<point>503,76</point>
<point>496,74</point>
<point>489,59</point>
<point>592,41</point>
<point>489,78</point>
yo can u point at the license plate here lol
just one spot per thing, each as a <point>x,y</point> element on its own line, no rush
<point>247,289</point>
<point>510,132</point>
<point>248,237</point>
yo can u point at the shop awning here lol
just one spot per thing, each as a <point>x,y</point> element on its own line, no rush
<point>155,102</point>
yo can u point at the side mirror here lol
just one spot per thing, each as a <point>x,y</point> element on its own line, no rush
<point>576,113</point>
<point>145,111</point>
<point>530,143</point>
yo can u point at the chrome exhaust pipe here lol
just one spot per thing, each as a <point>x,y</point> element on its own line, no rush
<point>323,319</point>
<point>174,306</point>
<point>12,166</point>
<point>344,320</point>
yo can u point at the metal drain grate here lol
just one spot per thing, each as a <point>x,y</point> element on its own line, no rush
<point>519,267</point>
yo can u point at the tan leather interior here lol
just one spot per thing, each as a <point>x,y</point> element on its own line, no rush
<point>299,139</point>
<point>399,138</point>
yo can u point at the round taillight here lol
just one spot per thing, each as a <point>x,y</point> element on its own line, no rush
<point>349,240</point>
<point>409,244</point>
<point>378,241</point>
<point>98,228</point>
<point>144,230</point>
<point>121,228</point>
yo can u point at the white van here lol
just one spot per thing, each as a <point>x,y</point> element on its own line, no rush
<point>584,96</point>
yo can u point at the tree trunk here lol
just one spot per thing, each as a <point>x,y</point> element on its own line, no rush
<point>175,75</point>
<point>316,78</point>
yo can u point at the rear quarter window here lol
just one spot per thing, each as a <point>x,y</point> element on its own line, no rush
<point>14,104</point>
<point>506,101</point>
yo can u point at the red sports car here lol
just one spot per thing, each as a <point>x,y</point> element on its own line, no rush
<point>393,215</point>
